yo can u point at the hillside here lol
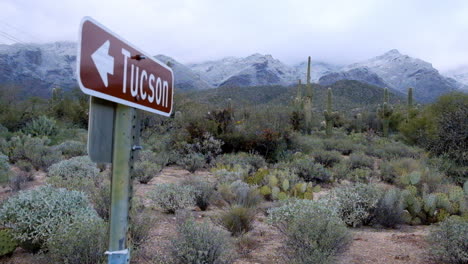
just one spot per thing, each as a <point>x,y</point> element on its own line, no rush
<point>347,94</point>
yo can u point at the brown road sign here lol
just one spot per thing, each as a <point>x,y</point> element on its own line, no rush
<point>112,69</point>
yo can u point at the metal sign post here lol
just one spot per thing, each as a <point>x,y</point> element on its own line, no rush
<point>120,190</point>
<point>120,78</point>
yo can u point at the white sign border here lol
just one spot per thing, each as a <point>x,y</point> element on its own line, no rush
<point>109,97</point>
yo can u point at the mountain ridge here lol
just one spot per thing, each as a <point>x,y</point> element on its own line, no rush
<point>45,66</point>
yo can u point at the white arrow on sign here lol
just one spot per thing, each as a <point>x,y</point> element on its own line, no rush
<point>104,62</point>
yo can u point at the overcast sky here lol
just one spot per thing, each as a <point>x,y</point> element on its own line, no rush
<point>335,31</point>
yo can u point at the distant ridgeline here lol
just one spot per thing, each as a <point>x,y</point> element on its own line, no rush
<point>39,68</point>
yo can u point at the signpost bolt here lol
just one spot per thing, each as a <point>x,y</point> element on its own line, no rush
<point>140,57</point>
<point>135,147</point>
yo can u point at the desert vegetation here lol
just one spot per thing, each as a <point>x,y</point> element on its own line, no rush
<point>287,179</point>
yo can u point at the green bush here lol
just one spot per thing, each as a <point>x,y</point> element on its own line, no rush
<point>305,168</point>
<point>240,193</point>
<point>201,243</point>
<point>72,148</point>
<point>450,241</point>
<point>146,167</point>
<point>4,169</point>
<point>34,215</point>
<point>17,180</point>
<point>42,126</point>
<point>327,158</point>
<point>140,224</point>
<point>34,150</point>
<point>360,161</point>
<point>314,232</point>
<point>393,150</point>
<point>344,146</point>
<point>100,197</point>
<point>203,192</point>
<point>356,204</point>
<point>172,197</point>
<point>252,161</point>
<point>237,220</point>
<point>389,210</point>
<point>78,173</point>
<point>224,174</point>
<point>192,162</point>
<point>81,242</point>
<point>27,168</point>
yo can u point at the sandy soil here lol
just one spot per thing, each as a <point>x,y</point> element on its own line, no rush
<point>402,246</point>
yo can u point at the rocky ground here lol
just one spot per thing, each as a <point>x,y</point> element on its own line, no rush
<point>263,244</point>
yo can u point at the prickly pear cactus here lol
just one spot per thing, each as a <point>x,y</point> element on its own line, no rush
<point>285,185</point>
<point>7,243</point>
<point>275,192</point>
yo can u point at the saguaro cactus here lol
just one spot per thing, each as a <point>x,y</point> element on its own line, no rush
<point>384,112</point>
<point>410,103</point>
<point>328,113</point>
<point>359,123</point>
<point>308,101</point>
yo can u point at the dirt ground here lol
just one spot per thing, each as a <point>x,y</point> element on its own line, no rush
<point>263,244</point>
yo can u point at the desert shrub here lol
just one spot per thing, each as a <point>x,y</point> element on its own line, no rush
<point>71,148</point>
<point>356,204</point>
<point>146,167</point>
<point>305,168</point>
<point>206,146</point>
<point>78,173</point>
<point>192,162</point>
<point>360,161</point>
<point>27,168</point>
<point>314,232</point>
<point>457,172</point>
<point>100,197</point>
<point>17,180</point>
<point>306,144</point>
<point>34,150</point>
<point>172,197</point>
<point>140,224</point>
<point>203,191</point>
<point>451,137</point>
<point>34,215</point>
<point>4,169</point>
<point>327,158</point>
<point>77,167</point>
<point>240,193</point>
<point>201,243</point>
<point>450,241</point>
<point>341,171</point>
<point>250,160</point>
<point>41,126</point>
<point>389,210</point>
<point>228,175</point>
<point>82,241</point>
<point>393,150</point>
<point>343,146</point>
<point>237,220</point>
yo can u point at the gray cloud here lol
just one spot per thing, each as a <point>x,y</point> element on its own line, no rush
<point>337,31</point>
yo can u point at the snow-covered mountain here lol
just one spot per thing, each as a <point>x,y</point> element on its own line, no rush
<point>317,70</point>
<point>256,69</point>
<point>185,78</point>
<point>460,74</point>
<point>402,71</point>
<point>39,67</point>
<point>362,74</point>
